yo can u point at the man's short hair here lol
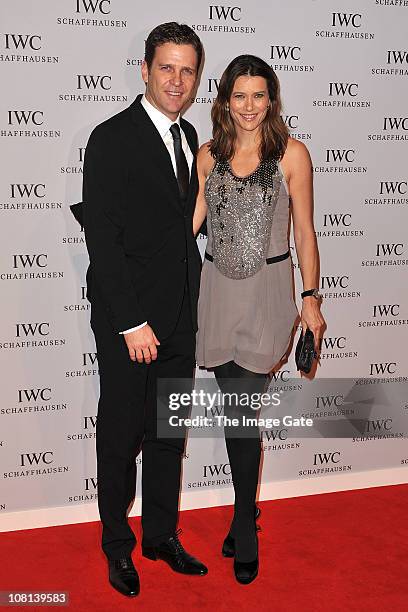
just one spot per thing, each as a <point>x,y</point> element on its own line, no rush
<point>178,33</point>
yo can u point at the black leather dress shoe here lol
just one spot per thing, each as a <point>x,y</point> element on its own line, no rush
<point>174,554</point>
<point>228,547</point>
<point>123,576</point>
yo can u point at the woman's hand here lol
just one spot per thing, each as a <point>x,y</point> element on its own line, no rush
<point>312,318</point>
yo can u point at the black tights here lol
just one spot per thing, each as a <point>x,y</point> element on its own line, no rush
<point>244,453</point>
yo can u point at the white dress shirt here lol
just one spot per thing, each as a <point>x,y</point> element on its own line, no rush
<point>163,125</point>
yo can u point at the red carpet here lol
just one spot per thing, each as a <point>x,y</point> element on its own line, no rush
<point>332,552</point>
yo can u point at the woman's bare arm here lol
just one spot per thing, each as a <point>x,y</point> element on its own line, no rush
<point>204,164</point>
<point>297,166</point>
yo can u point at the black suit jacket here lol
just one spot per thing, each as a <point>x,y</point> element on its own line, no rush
<point>138,233</point>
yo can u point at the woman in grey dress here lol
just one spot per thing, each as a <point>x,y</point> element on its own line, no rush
<point>250,173</point>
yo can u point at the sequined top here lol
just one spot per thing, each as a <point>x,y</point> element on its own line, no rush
<point>241,213</point>
<point>248,321</point>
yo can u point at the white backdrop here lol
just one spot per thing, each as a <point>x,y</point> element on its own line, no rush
<point>66,65</point>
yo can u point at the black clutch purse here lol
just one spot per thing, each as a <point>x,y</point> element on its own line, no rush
<point>305,351</point>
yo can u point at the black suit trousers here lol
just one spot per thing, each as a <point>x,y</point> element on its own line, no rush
<point>126,424</point>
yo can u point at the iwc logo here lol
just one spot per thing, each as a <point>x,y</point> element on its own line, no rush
<point>288,58</point>
<point>395,64</point>
<point>81,305</point>
<point>224,19</point>
<point>37,400</point>
<point>338,287</point>
<point>87,366</point>
<point>32,335</point>
<point>340,161</point>
<point>92,88</point>
<point>393,128</point>
<point>92,14</point>
<point>391,192</point>
<point>385,315</point>
<point>378,429</point>
<point>328,462</point>
<point>295,127</point>
<point>30,266</point>
<point>27,124</point>
<point>77,163</point>
<point>346,26</point>
<point>387,254</point>
<point>28,197</point>
<point>336,347</point>
<point>88,430</point>
<point>273,440</point>
<point>342,94</point>
<point>25,49</point>
<point>338,225</point>
<point>88,491</point>
<point>36,463</point>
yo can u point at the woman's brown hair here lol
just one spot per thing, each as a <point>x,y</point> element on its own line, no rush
<point>274,133</point>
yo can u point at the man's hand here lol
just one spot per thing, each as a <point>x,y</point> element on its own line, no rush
<point>142,344</point>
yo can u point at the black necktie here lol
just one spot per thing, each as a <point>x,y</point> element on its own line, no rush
<point>183,174</point>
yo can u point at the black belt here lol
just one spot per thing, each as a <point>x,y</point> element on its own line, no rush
<point>269,260</point>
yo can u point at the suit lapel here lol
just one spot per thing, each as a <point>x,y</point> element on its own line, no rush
<point>157,151</point>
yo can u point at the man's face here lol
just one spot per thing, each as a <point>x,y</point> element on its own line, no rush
<point>171,78</point>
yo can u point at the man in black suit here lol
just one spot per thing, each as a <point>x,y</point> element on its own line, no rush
<point>139,191</point>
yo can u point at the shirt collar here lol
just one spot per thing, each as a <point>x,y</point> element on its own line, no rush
<point>161,122</point>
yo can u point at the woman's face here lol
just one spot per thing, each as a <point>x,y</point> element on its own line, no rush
<point>249,102</point>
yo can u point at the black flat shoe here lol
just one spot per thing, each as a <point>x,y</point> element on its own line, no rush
<point>123,576</point>
<point>172,552</point>
<point>245,573</point>
<point>228,547</point>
